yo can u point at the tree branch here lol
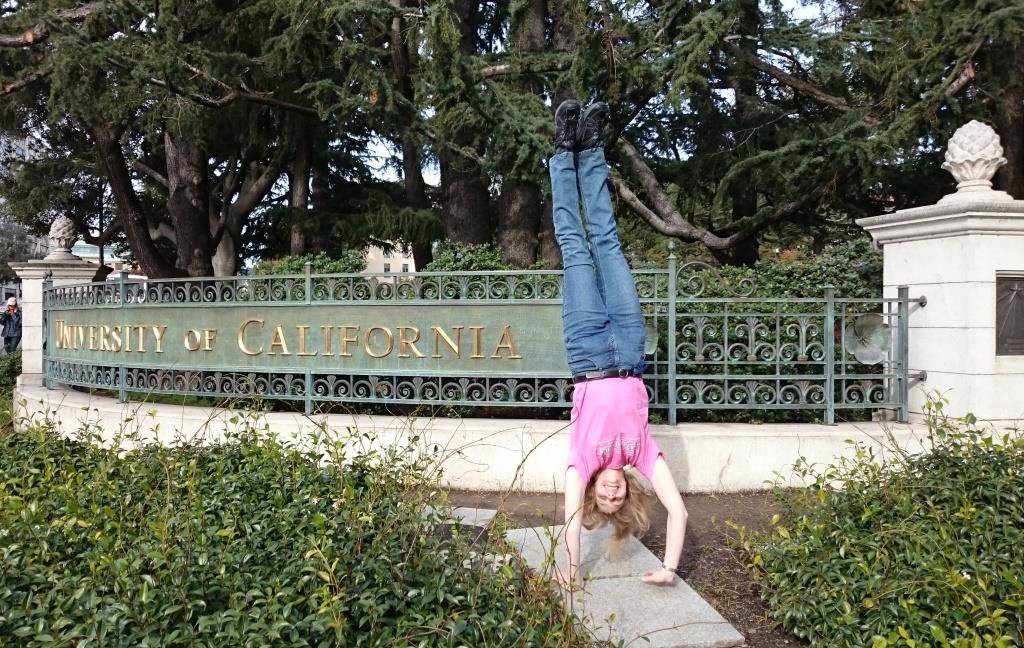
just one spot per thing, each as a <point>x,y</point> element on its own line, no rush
<point>233,95</point>
<point>151,172</point>
<point>805,87</point>
<point>659,224</point>
<point>41,31</point>
<point>24,81</point>
<point>663,206</point>
<point>503,69</point>
<point>163,230</point>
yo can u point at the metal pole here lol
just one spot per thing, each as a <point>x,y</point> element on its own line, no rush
<point>903,353</point>
<point>829,340</point>
<point>671,300</point>
<point>309,392</point>
<point>309,283</point>
<point>122,393</point>
<point>47,286</point>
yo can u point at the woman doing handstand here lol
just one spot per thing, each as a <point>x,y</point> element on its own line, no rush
<point>604,342</point>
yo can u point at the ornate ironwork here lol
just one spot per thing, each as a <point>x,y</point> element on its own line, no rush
<point>705,352</point>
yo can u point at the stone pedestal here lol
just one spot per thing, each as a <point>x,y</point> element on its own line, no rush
<point>952,253</point>
<point>33,274</point>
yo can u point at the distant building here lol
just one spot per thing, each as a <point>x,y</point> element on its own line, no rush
<point>91,253</point>
<point>377,261</point>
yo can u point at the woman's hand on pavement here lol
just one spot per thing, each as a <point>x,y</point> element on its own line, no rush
<point>660,577</point>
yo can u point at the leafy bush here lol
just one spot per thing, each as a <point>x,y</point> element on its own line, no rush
<point>10,369</point>
<point>245,543</point>
<point>349,262</point>
<point>853,268</point>
<point>922,550</point>
<point>453,256</point>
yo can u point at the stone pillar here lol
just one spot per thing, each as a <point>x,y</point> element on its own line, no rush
<point>63,268</point>
<point>956,254</point>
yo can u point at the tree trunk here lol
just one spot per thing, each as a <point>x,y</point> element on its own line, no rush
<point>465,200</point>
<point>188,203</point>
<point>744,253</point>
<point>519,210</point>
<point>298,189</point>
<point>412,171</point>
<point>133,219</point>
<point>519,205</point>
<point>1010,122</point>
<point>547,246</point>
<point>320,193</point>
<point>743,80</point>
<point>564,40</point>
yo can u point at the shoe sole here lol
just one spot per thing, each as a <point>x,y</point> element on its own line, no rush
<point>597,106</point>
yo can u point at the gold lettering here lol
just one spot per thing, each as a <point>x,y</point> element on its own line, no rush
<point>327,340</point>
<point>142,339</point>
<point>92,337</point>
<point>403,342</point>
<point>127,330</point>
<point>104,332</point>
<point>115,334</point>
<point>241,337</point>
<point>277,340</point>
<point>476,341</point>
<point>302,341</point>
<point>63,336</point>
<point>346,340</point>
<point>79,337</point>
<point>209,338</point>
<point>390,338</point>
<point>439,334</point>
<point>158,333</point>
<point>192,340</point>
<point>505,342</point>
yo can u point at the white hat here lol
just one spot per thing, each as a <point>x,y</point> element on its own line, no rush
<point>11,301</point>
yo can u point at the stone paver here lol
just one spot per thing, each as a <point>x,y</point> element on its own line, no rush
<point>618,605</point>
<point>474,516</point>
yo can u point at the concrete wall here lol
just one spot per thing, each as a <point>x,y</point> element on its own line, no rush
<point>486,454</point>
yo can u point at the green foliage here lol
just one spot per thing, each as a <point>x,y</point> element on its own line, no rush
<point>853,268</point>
<point>10,369</point>
<point>902,550</point>
<point>246,543</point>
<point>350,261</point>
<point>453,256</point>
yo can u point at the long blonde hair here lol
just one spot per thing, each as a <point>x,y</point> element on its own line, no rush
<point>632,517</point>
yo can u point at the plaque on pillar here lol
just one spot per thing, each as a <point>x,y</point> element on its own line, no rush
<point>1010,315</point>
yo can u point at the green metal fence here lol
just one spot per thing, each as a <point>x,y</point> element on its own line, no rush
<point>469,339</point>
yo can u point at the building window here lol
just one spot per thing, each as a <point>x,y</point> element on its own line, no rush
<point>387,267</point>
<point>405,267</point>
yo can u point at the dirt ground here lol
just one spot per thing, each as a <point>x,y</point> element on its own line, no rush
<point>709,564</point>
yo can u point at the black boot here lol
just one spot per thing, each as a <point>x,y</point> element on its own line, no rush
<point>590,132</point>
<point>567,117</point>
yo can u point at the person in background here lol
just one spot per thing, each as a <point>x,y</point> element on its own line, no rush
<point>10,320</point>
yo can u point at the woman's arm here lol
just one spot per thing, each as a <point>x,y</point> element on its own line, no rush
<point>675,532</point>
<point>573,526</point>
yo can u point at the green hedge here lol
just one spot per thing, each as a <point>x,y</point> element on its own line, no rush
<point>244,544</point>
<point>10,369</point>
<point>853,268</point>
<point>453,256</point>
<point>923,550</point>
<point>348,261</point>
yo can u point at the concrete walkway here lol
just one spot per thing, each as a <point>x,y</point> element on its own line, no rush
<point>615,603</point>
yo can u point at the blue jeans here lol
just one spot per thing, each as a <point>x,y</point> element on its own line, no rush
<point>601,317</point>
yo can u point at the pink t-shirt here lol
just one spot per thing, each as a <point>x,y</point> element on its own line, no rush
<point>609,427</point>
